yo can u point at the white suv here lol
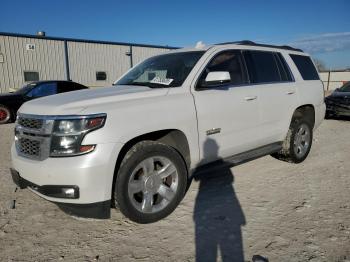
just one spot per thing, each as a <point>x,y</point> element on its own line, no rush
<point>137,144</point>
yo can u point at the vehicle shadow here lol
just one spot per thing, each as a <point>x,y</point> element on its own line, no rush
<point>340,118</point>
<point>218,215</point>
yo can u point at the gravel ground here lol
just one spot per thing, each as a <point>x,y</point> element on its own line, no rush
<point>282,211</point>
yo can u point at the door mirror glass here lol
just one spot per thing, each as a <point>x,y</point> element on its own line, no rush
<point>217,78</point>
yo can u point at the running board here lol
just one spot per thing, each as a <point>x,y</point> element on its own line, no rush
<point>239,158</point>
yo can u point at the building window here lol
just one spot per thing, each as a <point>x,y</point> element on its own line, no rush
<point>31,76</point>
<point>101,76</point>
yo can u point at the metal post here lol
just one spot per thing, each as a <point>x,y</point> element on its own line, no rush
<point>66,60</point>
<point>329,78</point>
<point>130,52</point>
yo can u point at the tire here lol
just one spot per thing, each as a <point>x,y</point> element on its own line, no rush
<point>5,115</point>
<point>297,145</point>
<point>150,183</point>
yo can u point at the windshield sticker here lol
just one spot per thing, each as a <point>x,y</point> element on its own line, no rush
<point>161,81</point>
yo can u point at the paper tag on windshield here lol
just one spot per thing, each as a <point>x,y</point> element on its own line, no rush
<point>161,81</point>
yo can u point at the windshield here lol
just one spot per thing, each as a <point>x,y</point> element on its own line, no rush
<point>167,70</point>
<point>345,87</point>
<point>25,89</point>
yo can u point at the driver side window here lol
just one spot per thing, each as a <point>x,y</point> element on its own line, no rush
<point>45,89</point>
<point>229,61</point>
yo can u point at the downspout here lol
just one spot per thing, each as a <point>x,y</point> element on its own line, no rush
<point>129,54</point>
<point>66,60</point>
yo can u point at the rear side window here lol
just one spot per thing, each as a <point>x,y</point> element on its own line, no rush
<point>305,67</point>
<point>283,68</point>
<point>262,67</point>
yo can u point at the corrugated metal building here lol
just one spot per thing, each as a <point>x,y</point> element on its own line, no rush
<point>26,58</point>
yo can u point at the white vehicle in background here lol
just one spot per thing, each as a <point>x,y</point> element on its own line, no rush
<point>136,145</point>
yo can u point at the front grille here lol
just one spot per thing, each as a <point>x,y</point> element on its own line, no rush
<point>30,123</point>
<point>29,147</point>
<point>32,136</point>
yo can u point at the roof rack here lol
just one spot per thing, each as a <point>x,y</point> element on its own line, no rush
<point>251,43</point>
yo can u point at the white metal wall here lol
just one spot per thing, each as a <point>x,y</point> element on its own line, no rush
<point>336,79</point>
<point>47,58</point>
<point>85,59</point>
<point>141,53</point>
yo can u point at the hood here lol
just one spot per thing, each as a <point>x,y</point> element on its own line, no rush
<point>337,94</point>
<point>9,96</point>
<point>72,103</point>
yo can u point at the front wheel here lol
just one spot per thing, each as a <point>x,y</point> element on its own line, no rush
<point>151,182</point>
<point>297,144</point>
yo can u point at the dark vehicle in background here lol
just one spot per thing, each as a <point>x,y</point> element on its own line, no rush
<point>11,102</point>
<point>338,103</point>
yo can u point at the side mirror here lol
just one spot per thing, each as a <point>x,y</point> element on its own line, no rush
<point>217,78</point>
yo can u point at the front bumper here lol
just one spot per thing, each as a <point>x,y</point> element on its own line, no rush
<point>57,191</point>
<point>100,210</point>
<point>87,179</point>
<point>338,109</point>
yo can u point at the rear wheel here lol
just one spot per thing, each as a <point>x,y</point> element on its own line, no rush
<point>297,144</point>
<point>5,114</point>
<point>151,182</point>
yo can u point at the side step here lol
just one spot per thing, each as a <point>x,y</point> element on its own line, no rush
<point>238,159</point>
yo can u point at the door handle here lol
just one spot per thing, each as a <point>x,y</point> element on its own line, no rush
<point>250,98</point>
<point>290,92</point>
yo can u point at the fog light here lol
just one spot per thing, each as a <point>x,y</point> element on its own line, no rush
<point>69,192</point>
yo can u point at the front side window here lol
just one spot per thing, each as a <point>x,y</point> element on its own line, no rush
<point>167,70</point>
<point>305,67</point>
<point>262,67</point>
<point>227,61</point>
<point>44,89</point>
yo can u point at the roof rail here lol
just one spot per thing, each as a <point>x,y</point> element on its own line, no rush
<point>251,43</point>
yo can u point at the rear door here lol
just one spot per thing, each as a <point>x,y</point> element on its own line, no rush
<point>228,114</point>
<point>277,92</point>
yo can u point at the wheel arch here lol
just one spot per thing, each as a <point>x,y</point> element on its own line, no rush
<point>306,112</point>
<point>171,137</point>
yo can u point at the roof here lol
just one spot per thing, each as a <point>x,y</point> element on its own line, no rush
<point>251,43</point>
<point>84,40</point>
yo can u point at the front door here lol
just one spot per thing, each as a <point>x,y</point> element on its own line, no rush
<point>228,114</point>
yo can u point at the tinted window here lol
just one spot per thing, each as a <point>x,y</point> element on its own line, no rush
<point>283,68</point>
<point>230,61</point>
<point>345,87</point>
<point>31,76</point>
<point>44,89</point>
<point>305,67</point>
<point>101,76</point>
<point>262,67</point>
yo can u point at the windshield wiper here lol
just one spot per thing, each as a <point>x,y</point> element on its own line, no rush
<point>148,84</point>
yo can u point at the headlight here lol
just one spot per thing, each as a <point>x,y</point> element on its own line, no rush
<point>68,134</point>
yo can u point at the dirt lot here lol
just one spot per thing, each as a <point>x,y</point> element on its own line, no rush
<point>282,211</point>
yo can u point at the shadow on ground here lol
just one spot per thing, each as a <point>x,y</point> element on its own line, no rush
<point>218,215</point>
